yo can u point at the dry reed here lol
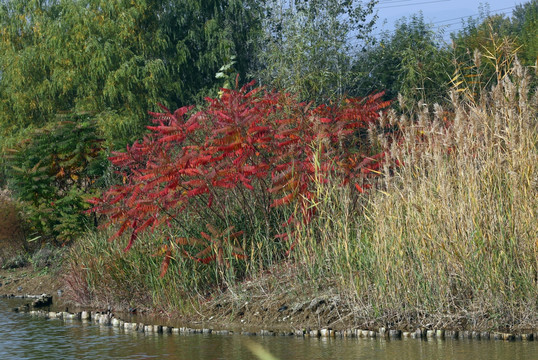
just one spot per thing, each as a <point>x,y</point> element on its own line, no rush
<point>451,237</point>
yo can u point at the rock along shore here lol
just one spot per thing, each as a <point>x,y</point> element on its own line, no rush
<point>109,319</point>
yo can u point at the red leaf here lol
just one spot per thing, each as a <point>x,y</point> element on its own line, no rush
<point>165,263</point>
<point>289,142</point>
<point>146,177</point>
<point>240,256</point>
<point>197,191</point>
<point>182,111</point>
<point>94,201</point>
<point>131,241</point>
<point>173,138</point>
<point>283,201</point>
<point>207,260</point>
<point>210,201</point>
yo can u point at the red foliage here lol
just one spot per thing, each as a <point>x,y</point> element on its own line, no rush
<point>259,141</point>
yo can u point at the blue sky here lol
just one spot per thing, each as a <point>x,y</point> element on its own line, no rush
<point>446,13</point>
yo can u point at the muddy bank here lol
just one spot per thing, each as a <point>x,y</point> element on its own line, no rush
<point>109,319</point>
<point>250,307</point>
<point>28,280</point>
<point>273,304</point>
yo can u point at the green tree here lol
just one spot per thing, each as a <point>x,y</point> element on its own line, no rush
<point>411,61</point>
<point>485,49</point>
<point>116,59</point>
<point>53,172</point>
<point>105,63</point>
<point>203,36</point>
<point>525,27</point>
<point>26,95</point>
<point>308,45</point>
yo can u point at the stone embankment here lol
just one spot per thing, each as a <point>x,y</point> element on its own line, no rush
<point>108,319</point>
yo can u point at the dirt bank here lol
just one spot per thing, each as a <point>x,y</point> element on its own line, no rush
<point>27,280</point>
<point>271,301</point>
<point>274,300</point>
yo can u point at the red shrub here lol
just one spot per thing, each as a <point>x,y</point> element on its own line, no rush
<point>258,142</point>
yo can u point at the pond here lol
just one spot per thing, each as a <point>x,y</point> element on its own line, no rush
<point>25,337</point>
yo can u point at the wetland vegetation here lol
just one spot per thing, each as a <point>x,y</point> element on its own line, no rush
<point>385,182</point>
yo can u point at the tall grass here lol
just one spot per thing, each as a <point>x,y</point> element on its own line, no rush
<point>452,235</point>
<point>100,273</point>
<point>12,237</point>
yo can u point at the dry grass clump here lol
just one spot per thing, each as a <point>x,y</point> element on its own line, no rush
<point>11,229</point>
<point>457,227</point>
<point>452,237</point>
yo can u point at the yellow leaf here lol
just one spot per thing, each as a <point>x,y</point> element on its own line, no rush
<point>456,77</point>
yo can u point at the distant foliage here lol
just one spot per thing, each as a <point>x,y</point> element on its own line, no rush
<point>521,30</point>
<point>410,61</point>
<point>261,150</point>
<point>525,26</point>
<point>52,173</point>
<point>485,49</point>
<point>415,61</point>
<point>308,46</point>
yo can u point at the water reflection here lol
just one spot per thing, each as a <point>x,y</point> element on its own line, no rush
<point>25,337</point>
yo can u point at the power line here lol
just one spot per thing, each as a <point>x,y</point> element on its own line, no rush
<point>394,1</point>
<point>468,16</point>
<point>446,26</point>
<point>398,1</point>
<point>493,12</point>
<point>413,4</point>
<point>459,22</point>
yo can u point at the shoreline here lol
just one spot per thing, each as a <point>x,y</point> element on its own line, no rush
<point>109,319</point>
<point>215,318</point>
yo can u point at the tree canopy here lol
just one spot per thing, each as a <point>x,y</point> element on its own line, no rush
<point>308,46</point>
<point>115,59</point>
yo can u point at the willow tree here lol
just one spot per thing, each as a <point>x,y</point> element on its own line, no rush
<point>27,95</point>
<point>115,59</point>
